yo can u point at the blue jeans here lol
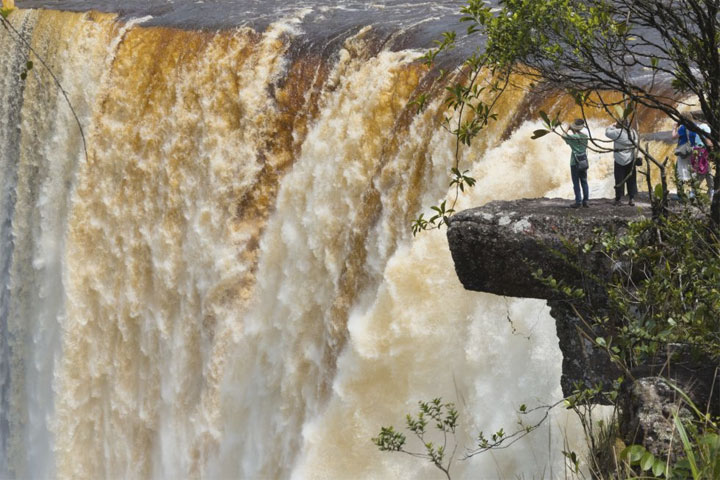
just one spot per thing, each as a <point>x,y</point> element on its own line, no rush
<point>579,178</point>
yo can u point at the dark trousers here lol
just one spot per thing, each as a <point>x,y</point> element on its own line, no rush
<point>625,175</point>
<point>579,178</point>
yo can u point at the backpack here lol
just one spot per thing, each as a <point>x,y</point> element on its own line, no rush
<point>699,161</point>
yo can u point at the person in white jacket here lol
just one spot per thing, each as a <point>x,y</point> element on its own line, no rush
<point>624,141</point>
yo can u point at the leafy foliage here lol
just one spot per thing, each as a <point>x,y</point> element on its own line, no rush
<point>586,48</point>
<point>443,417</point>
<point>639,456</point>
<point>663,296</point>
<point>469,101</point>
<point>664,288</point>
<point>589,47</point>
<point>8,6</point>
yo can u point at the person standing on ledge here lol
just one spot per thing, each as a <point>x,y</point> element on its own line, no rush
<point>686,140</point>
<point>577,138</point>
<point>699,159</point>
<point>624,140</point>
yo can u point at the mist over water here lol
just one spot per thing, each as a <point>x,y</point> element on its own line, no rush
<point>227,285</point>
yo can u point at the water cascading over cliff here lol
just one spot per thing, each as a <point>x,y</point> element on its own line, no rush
<point>227,285</point>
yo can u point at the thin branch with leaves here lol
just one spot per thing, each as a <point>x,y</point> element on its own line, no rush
<point>4,13</point>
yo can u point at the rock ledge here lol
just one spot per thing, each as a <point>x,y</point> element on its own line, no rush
<point>497,247</point>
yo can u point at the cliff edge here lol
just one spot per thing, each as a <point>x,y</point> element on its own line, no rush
<point>497,247</point>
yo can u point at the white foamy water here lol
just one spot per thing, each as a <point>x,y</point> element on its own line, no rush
<point>227,287</point>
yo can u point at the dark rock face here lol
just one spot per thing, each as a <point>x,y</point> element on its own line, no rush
<point>648,403</point>
<point>648,406</point>
<point>582,362</point>
<point>497,247</point>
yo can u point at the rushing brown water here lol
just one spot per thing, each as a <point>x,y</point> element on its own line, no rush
<point>227,285</point>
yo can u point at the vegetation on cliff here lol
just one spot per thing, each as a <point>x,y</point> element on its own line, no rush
<point>590,49</point>
<point>662,302</point>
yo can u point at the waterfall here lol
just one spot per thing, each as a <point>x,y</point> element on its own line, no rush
<point>227,285</point>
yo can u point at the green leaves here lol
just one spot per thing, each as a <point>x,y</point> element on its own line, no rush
<point>680,82</point>
<point>664,292</point>
<point>639,456</point>
<point>389,440</point>
<point>647,461</point>
<point>687,446</point>
<point>658,467</point>
<point>701,447</point>
<point>443,416</point>
<point>623,112</point>
<point>470,105</point>
<point>442,214</point>
<point>580,97</point>
<point>633,453</point>
<point>420,224</point>
<point>558,286</point>
<point>658,191</point>
<point>539,133</point>
<point>545,117</point>
<point>28,67</point>
<point>496,439</point>
<point>460,179</point>
<point>446,42</point>
<point>574,460</point>
<point>420,101</point>
<point>550,125</point>
<point>663,288</point>
<point>4,12</point>
<point>416,425</point>
<point>448,38</point>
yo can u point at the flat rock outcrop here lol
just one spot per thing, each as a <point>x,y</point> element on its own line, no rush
<point>497,247</point>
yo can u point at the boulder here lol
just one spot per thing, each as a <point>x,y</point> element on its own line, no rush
<point>648,400</point>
